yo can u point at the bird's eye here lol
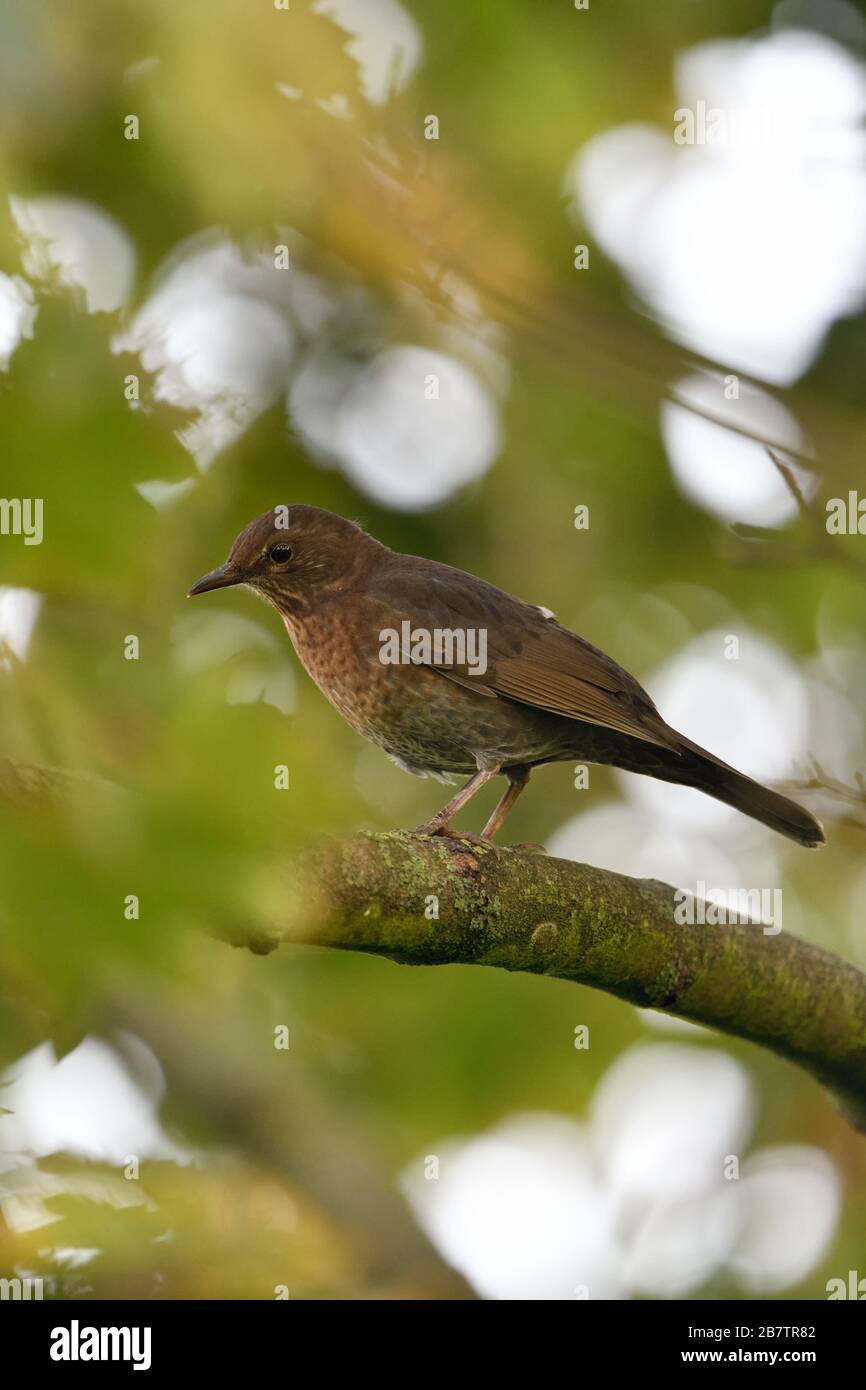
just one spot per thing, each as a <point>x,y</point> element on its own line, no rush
<point>281,554</point>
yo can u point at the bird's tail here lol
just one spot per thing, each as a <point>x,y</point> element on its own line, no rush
<point>695,767</point>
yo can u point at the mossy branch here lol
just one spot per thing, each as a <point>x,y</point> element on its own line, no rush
<point>525,911</point>
<point>521,910</point>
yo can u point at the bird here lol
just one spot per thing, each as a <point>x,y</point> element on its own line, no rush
<point>449,674</point>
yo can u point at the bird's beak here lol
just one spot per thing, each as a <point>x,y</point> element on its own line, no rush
<point>220,578</point>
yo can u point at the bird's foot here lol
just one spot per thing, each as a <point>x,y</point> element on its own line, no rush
<point>446,832</point>
<point>432,827</point>
<point>470,838</point>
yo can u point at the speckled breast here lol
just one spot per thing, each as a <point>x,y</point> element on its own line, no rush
<point>425,721</point>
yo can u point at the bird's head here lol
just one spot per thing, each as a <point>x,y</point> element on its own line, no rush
<point>291,555</point>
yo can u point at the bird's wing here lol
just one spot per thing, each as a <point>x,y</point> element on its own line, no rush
<point>530,658</point>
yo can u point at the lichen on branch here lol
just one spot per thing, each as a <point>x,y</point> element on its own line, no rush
<point>520,910</point>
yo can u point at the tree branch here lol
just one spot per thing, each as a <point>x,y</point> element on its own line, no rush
<point>525,911</point>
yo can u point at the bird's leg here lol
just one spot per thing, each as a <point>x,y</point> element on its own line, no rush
<point>438,824</point>
<point>518,778</point>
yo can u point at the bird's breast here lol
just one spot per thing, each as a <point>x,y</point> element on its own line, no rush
<point>416,714</point>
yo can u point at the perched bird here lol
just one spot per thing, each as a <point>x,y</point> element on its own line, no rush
<point>449,674</point>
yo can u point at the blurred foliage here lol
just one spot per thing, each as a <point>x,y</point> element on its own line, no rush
<point>198,831</point>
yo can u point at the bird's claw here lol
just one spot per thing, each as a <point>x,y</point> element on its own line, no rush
<point>446,833</point>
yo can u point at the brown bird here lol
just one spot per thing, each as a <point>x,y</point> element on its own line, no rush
<point>449,674</point>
